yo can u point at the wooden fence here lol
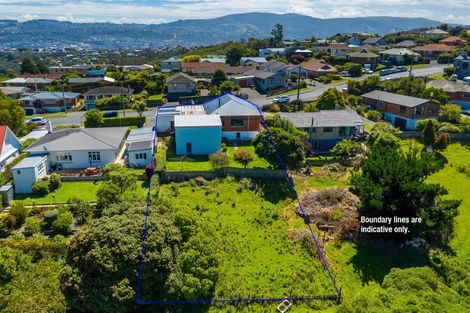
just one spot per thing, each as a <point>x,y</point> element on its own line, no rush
<point>223,172</point>
<point>95,178</point>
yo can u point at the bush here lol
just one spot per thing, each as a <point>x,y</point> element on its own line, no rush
<point>373,115</point>
<point>19,213</point>
<point>448,128</point>
<point>336,77</point>
<point>32,225</point>
<point>449,70</point>
<point>442,141</point>
<point>54,182</point>
<point>422,123</point>
<point>274,108</point>
<point>41,187</point>
<point>219,160</point>
<point>444,58</point>
<point>345,149</point>
<point>123,121</point>
<point>244,157</point>
<point>49,217</point>
<point>63,223</point>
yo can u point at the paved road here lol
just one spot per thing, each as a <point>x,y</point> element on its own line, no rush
<point>77,117</point>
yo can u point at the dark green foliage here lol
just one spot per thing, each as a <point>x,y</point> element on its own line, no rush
<point>330,100</point>
<point>234,54</point>
<point>49,217</point>
<point>63,223</point>
<point>81,210</point>
<point>393,183</point>
<point>33,225</point>
<point>429,136</point>
<point>28,67</point>
<point>277,36</point>
<point>117,102</point>
<point>383,130</point>
<point>345,149</point>
<point>451,113</point>
<point>290,147</point>
<point>444,58</point>
<point>442,141</point>
<point>54,181</point>
<point>228,86</point>
<point>41,187</point>
<point>373,115</point>
<point>123,121</point>
<point>93,118</point>
<point>120,179</point>
<point>19,212</point>
<point>422,123</point>
<point>218,77</point>
<point>11,114</point>
<point>11,262</point>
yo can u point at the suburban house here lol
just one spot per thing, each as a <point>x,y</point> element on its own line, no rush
<point>136,68</point>
<point>337,50</point>
<point>363,57</point>
<point>91,80</point>
<point>402,111</point>
<point>453,41</point>
<point>318,68</point>
<point>303,52</point>
<point>436,33</point>
<point>139,147</point>
<point>46,101</point>
<point>243,80</point>
<point>462,66</point>
<point>14,92</point>
<point>241,120</point>
<point>92,95</point>
<point>79,148</point>
<point>458,93</point>
<point>166,115</point>
<point>405,44</point>
<point>266,81</point>
<point>280,68</point>
<point>327,127</point>
<point>401,55</point>
<point>432,51</point>
<point>374,41</point>
<point>197,134</point>
<point>355,40</point>
<point>214,58</point>
<point>27,172</point>
<point>30,83</point>
<point>10,146</point>
<point>252,61</point>
<point>266,52</point>
<point>180,85</point>
<point>66,69</point>
<point>172,64</point>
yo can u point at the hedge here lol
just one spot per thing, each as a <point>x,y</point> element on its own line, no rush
<point>123,121</point>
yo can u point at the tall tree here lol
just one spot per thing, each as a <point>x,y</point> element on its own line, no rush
<point>218,77</point>
<point>429,136</point>
<point>11,114</point>
<point>235,53</point>
<point>28,67</point>
<point>93,118</point>
<point>331,100</point>
<point>277,34</point>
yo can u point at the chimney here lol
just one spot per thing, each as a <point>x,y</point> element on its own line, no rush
<point>49,126</point>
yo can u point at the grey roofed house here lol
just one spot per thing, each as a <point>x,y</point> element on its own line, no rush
<point>448,86</point>
<point>363,54</point>
<point>112,90</point>
<point>139,134</point>
<point>46,95</point>
<point>76,139</point>
<point>272,66</point>
<point>89,80</point>
<point>260,74</point>
<point>324,118</point>
<point>230,105</point>
<point>395,98</point>
<point>373,41</point>
<point>405,44</point>
<point>178,75</point>
<point>140,145</point>
<point>254,59</point>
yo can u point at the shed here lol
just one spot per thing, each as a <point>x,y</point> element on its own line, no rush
<point>139,147</point>
<point>197,134</point>
<point>7,194</point>
<point>27,172</point>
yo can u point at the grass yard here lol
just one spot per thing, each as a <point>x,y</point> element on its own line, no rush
<point>201,163</point>
<point>292,92</point>
<point>257,257</point>
<point>85,190</point>
<point>48,115</point>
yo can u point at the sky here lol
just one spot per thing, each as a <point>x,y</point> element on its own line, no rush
<point>162,11</point>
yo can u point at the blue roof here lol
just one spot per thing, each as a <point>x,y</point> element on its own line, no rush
<point>46,95</point>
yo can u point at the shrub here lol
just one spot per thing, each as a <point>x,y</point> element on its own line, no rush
<point>32,225</point>
<point>422,123</point>
<point>123,121</point>
<point>448,128</point>
<point>49,217</point>
<point>54,182</point>
<point>219,160</point>
<point>244,157</point>
<point>19,212</point>
<point>81,210</point>
<point>63,223</point>
<point>345,149</point>
<point>429,135</point>
<point>336,77</point>
<point>41,187</point>
<point>442,141</point>
<point>449,70</point>
<point>274,108</point>
<point>373,115</point>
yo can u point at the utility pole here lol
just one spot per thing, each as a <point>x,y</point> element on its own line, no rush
<point>123,109</point>
<point>411,67</point>
<point>298,84</point>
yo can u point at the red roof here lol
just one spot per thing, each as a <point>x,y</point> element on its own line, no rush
<point>51,76</point>
<point>453,40</point>
<point>3,132</point>
<point>315,65</point>
<point>433,47</point>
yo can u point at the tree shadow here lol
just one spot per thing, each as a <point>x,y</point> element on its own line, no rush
<point>375,258</point>
<point>273,191</point>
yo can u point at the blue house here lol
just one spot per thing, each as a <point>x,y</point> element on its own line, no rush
<point>197,134</point>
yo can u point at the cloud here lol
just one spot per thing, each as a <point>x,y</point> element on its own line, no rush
<point>159,11</point>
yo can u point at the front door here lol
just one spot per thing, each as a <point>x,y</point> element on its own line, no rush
<point>189,148</point>
<point>238,136</point>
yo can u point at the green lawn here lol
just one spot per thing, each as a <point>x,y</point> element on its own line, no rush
<point>84,190</point>
<point>292,92</point>
<point>156,97</point>
<point>48,115</point>
<point>201,163</point>
<point>439,76</point>
<point>256,256</point>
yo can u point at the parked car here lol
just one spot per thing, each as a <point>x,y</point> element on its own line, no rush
<point>345,74</point>
<point>281,99</point>
<point>466,80</point>
<point>385,72</point>
<point>110,114</point>
<point>368,71</point>
<point>39,121</point>
<point>453,78</point>
<point>401,69</point>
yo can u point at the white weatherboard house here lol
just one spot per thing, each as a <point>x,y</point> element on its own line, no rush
<point>79,148</point>
<point>9,147</point>
<point>27,172</point>
<point>139,147</point>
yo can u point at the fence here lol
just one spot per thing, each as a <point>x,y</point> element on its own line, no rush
<point>95,178</point>
<point>223,172</point>
<point>418,135</point>
<point>195,99</point>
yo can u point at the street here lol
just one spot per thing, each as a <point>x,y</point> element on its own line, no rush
<point>78,117</point>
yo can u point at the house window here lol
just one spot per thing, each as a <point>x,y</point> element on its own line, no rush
<point>40,167</point>
<point>419,110</point>
<point>342,131</point>
<point>64,157</point>
<point>402,109</point>
<point>236,122</point>
<point>94,156</point>
<point>18,172</point>
<point>327,129</point>
<point>466,94</point>
<point>141,156</point>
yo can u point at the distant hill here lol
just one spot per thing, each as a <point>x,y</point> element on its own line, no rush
<point>47,33</point>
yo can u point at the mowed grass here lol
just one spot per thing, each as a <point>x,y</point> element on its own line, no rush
<point>258,259</point>
<point>458,185</point>
<point>84,190</point>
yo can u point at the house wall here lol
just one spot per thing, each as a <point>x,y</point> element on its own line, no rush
<point>250,123</point>
<point>204,140</point>
<point>410,122</point>
<point>8,160</point>
<point>462,68</point>
<point>363,60</point>
<point>80,159</point>
<point>167,67</point>
<point>24,178</point>
<point>135,160</point>
<point>270,83</point>
<point>430,108</point>
<point>460,98</point>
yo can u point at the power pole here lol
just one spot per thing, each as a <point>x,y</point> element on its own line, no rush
<point>298,84</point>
